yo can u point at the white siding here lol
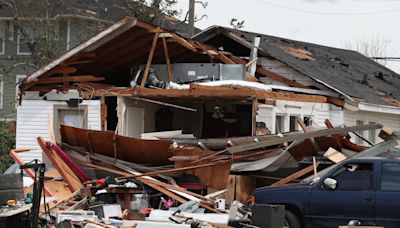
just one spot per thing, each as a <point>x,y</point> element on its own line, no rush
<point>317,111</point>
<point>285,71</point>
<point>32,121</point>
<point>265,113</point>
<point>390,120</point>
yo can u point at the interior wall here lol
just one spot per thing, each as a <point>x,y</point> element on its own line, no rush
<point>188,121</point>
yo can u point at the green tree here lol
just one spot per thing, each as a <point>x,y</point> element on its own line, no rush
<point>7,142</point>
<point>153,12</point>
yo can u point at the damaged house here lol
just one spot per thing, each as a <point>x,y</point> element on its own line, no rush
<point>134,79</point>
<point>368,91</point>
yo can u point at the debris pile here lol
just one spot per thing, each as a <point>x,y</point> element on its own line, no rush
<point>100,179</point>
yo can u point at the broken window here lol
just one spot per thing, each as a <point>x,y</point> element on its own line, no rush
<point>390,179</point>
<point>307,120</point>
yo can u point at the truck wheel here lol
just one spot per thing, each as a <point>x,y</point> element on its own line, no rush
<point>291,220</point>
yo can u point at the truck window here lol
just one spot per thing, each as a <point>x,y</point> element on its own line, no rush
<point>390,177</point>
<point>354,177</point>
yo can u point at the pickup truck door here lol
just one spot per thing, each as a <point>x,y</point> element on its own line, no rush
<point>353,197</point>
<point>387,205</point>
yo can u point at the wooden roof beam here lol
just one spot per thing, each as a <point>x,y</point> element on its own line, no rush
<point>105,65</point>
<point>56,70</point>
<point>80,78</point>
<point>62,70</point>
<point>48,88</point>
<point>82,55</point>
<point>149,59</point>
<point>184,42</point>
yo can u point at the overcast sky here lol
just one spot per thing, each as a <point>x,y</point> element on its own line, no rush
<point>326,22</point>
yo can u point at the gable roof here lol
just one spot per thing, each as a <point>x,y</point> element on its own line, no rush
<point>112,52</point>
<point>345,71</point>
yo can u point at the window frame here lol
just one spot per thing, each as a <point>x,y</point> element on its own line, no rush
<point>19,45</point>
<point>10,27</point>
<point>3,45</point>
<point>56,117</point>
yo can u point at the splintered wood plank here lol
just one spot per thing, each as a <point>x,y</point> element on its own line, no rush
<point>245,185</point>
<point>206,50</point>
<point>103,113</point>
<point>294,137</point>
<point>167,60</point>
<point>177,170</point>
<point>150,59</point>
<point>65,171</point>
<point>294,176</point>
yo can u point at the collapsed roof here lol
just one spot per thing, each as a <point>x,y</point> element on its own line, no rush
<point>109,56</point>
<point>344,71</point>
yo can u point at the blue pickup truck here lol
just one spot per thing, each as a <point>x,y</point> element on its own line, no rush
<point>363,189</point>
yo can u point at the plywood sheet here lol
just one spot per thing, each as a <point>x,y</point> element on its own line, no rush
<point>75,136</point>
<point>101,142</point>
<point>212,176</point>
<point>152,152</point>
<point>334,155</point>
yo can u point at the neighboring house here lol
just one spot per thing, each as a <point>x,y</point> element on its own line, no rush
<point>370,91</point>
<point>233,104</point>
<point>71,21</point>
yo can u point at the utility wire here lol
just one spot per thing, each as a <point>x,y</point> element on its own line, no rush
<point>386,58</point>
<point>328,13</point>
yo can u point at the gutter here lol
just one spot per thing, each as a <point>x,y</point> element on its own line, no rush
<point>379,108</point>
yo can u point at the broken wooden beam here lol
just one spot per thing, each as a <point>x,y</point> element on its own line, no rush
<point>167,60</point>
<point>169,171</point>
<point>294,176</point>
<point>149,59</point>
<point>78,78</point>
<point>302,136</point>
